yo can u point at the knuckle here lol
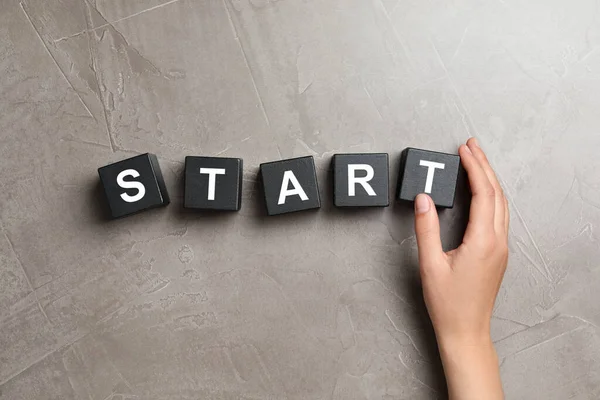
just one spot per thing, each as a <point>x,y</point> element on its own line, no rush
<point>488,245</point>
<point>500,192</point>
<point>427,233</point>
<point>489,191</point>
<point>502,246</point>
<point>505,251</point>
<point>497,248</point>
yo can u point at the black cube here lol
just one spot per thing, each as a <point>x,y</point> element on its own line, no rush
<point>213,183</point>
<point>361,180</point>
<point>434,173</point>
<point>290,185</point>
<point>134,185</point>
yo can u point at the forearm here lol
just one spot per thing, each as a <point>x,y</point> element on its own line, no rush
<point>472,370</point>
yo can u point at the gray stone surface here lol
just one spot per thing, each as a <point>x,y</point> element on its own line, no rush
<point>321,305</point>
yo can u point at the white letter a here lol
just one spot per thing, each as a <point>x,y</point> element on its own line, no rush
<point>289,177</point>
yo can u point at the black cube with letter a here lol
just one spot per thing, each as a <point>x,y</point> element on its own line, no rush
<point>134,185</point>
<point>434,173</point>
<point>290,185</point>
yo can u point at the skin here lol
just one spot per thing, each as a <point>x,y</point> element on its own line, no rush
<point>460,287</point>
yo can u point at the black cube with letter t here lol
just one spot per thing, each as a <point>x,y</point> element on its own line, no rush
<point>423,171</point>
<point>361,180</point>
<point>134,185</point>
<point>290,185</point>
<point>213,183</point>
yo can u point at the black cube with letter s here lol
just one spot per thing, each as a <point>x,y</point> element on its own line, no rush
<point>134,185</point>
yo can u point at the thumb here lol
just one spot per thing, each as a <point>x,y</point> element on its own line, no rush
<point>427,228</point>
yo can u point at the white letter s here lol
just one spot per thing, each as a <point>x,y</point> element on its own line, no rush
<point>131,185</point>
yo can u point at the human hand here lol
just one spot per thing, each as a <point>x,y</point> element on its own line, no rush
<point>460,287</point>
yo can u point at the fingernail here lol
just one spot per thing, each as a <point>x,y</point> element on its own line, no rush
<point>476,142</point>
<point>468,150</point>
<point>422,204</point>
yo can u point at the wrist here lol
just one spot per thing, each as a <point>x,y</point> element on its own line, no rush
<point>467,348</point>
<point>466,334</point>
<point>471,368</point>
<point>479,339</point>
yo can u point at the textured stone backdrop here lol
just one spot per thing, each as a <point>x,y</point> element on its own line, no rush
<point>319,305</point>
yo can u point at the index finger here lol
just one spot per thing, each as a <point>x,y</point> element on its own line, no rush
<point>481,218</point>
<point>479,154</point>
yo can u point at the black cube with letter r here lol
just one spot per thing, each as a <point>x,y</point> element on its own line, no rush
<point>361,180</point>
<point>430,172</point>
<point>134,185</point>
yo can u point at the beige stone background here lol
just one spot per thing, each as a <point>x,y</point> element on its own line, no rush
<point>319,305</point>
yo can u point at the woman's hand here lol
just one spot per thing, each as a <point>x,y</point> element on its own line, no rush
<point>461,286</point>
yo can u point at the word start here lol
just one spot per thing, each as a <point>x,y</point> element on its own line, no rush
<point>215,183</point>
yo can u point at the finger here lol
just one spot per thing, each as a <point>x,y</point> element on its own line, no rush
<point>506,216</point>
<point>481,218</point>
<point>499,214</point>
<point>427,229</point>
